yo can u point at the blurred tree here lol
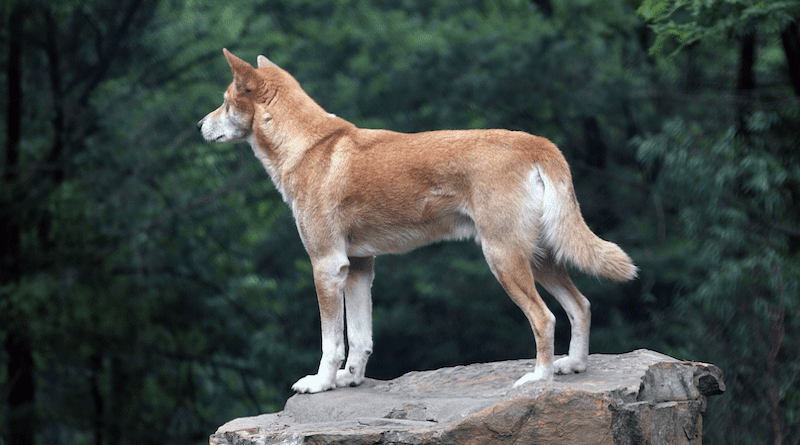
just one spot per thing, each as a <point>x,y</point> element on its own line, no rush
<point>790,38</point>
<point>38,165</point>
<point>155,275</point>
<point>163,280</point>
<point>733,220</point>
<point>113,308</point>
<point>545,6</point>
<point>20,370</point>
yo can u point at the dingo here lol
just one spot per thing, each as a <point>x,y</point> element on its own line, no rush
<point>358,193</point>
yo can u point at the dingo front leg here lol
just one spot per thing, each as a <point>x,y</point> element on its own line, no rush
<point>330,274</point>
<point>358,302</point>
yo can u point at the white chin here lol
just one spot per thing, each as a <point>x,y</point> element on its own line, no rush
<point>221,138</point>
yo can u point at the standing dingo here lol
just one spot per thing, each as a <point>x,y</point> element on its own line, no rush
<point>358,193</point>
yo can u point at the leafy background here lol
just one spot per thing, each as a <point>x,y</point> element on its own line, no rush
<point>153,286</point>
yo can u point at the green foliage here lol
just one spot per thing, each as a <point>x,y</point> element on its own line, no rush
<point>162,282</point>
<point>680,23</point>
<point>738,289</point>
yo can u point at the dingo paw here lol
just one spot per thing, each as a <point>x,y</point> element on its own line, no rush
<point>313,383</point>
<point>569,365</point>
<point>346,378</point>
<point>540,374</point>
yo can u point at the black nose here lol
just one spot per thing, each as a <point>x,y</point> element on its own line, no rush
<point>200,124</point>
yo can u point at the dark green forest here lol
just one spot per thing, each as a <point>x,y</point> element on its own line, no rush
<point>153,286</point>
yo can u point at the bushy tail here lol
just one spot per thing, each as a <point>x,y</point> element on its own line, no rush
<point>566,234</point>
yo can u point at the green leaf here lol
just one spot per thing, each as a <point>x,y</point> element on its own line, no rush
<point>653,9</point>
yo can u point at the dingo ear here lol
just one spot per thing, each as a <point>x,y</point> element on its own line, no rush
<point>236,63</point>
<point>242,71</point>
<point>263,62</point>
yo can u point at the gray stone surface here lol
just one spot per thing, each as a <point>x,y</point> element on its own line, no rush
<point>642,397</point>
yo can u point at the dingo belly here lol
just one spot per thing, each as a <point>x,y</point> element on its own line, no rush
<point>372,240</point>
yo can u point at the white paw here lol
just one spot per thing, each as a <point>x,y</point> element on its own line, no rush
<point>540,374</point>
<point>313,383</point>
<point>569,365</point>
<point>346,378</point>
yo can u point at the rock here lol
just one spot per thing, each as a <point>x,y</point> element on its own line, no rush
<point>641,397</point>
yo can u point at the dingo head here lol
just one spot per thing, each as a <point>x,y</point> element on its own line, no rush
<point>233,120</point>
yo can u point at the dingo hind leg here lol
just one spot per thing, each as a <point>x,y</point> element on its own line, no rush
<point>553,276</point>
<point>512,268</point>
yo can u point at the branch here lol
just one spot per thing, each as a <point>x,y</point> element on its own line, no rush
<point>103,64</point>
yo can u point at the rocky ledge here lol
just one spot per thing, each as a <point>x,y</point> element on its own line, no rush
<point>642,397</point>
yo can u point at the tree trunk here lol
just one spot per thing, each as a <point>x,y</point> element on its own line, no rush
<point>22,412</point>
<point>596,156</point>
<point>596,150</point>
<point>747,82</point>
<point>791,46</point>
<point>22,390</point>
